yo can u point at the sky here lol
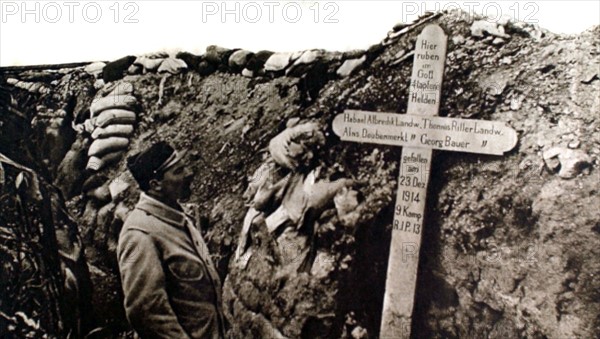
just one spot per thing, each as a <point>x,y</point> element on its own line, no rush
<point>51,32</point>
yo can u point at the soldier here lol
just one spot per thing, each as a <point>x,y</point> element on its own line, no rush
<point>170,284</point>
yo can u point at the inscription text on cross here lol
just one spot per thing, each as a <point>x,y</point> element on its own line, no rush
<point>419,131</point>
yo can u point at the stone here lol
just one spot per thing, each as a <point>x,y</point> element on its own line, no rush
<point>478,28</point>
<point>278,62</point>
<point>345,201</point>
<point>498,41</point>
<point>359,333</point>
<point>458,39</point>
<point>574,144</point>
<point>95,68</point>
<point>350,66</point>
<point>247,73</point>
<point>568,162</point>
<point>134,69</point>
<point>118,186</point>
<point>99,84</point>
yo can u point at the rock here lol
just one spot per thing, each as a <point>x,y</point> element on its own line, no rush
<point>346,203</point>
<point>135,69</point>
<point>359,333</point>
<point>478,28</point>
<point>350,66</point>
<point>458,39</point>
<point>590,73</point>
<point>99,84</point>
<point>239,59</point>
<point>118,186</point>
<point>498,41</point>
<point>574,144</point>
<point>568,162</point>
<point>95,68</point>
<point>278,62</point>
<point>323,265</point>
<point>247,73</point>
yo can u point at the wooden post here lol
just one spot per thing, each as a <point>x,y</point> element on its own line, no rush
<point>419,131</point>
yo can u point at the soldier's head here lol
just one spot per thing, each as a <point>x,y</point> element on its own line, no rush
<point>162,172</point>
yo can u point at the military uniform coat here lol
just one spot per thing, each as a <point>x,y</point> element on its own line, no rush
<point>171,287</point>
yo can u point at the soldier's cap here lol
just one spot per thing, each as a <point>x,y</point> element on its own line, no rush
<point>152,162</point>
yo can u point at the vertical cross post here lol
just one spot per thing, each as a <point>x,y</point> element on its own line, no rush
<point>409,212</point>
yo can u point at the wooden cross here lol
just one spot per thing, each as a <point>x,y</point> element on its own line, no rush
<point>419,131</point>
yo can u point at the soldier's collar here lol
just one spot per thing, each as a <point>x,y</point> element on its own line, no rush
<point>161,210</point>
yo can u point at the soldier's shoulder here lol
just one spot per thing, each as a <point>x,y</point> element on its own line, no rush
<point>141,221</point>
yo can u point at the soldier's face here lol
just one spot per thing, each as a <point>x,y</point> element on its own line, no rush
<point>177,181</point>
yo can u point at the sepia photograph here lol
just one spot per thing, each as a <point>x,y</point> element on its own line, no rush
<point>343,169</point>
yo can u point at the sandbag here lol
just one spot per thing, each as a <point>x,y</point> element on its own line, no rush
<point>101,147</point>
<point>112,101</point>
<point>93,182</point>
<point>98,163</point>
<point>294,146</point>
<point>115,117</point>
<point>115,70</point>
<point>149,64</point>
<point>190,59</point>
<point>112,131</point>
<point>173,66</point>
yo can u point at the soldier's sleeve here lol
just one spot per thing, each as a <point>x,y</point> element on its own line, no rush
<point>146,302</point>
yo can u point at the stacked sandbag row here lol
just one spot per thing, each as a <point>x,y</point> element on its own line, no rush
<point>112,118</point>
<point>267,63</point>
<point>31,87</point>
<point>157,63</point>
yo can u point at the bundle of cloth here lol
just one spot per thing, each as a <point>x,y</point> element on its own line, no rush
<point>112,119</point>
